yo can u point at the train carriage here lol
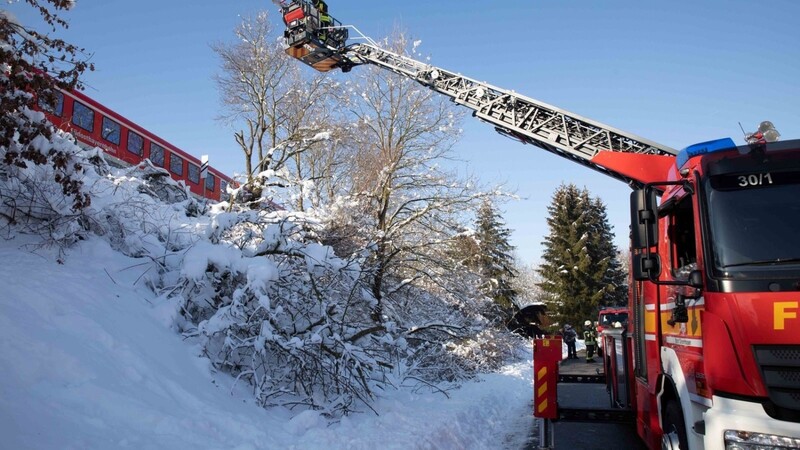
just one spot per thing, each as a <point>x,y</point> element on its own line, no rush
<point>126,143</point>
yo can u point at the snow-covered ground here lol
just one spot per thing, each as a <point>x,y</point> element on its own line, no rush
<point>88,360</point>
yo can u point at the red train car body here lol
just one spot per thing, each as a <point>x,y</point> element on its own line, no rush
<point>126,143</point>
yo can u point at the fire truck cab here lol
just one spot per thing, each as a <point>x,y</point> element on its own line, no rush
<point>714,332</point>
<point>607,319</point>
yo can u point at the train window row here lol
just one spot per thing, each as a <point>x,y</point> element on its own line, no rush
<point>83,117</point>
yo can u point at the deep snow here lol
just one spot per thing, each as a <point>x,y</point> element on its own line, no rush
<point>89,360</point>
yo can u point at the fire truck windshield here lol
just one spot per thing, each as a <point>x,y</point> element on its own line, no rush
<point>753,223</point>
<point>608,319</point>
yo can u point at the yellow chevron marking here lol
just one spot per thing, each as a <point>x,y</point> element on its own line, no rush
<point>542,373</point>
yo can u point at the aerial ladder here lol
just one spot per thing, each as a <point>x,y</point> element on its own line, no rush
<point>711,354</point>
<point>522,118</point>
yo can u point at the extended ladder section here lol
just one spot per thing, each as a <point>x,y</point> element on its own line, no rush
<point>522,118</point>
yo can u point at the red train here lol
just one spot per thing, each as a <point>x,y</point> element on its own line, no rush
<point>126,143</point>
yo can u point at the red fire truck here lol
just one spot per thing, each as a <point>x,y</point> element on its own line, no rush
<point>127,144</point>
<point>710,357</point>
<point>608,318</point>
<point>714,336</point>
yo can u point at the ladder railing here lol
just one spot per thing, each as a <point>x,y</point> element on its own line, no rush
<point>523,118</point>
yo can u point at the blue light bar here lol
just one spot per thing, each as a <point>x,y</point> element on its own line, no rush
<point>717,145</point>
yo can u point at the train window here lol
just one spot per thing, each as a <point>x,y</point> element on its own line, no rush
<point>210,182</point>
<point>58,109</point>
<point>157,154</point>
<point>223,190</point>
<point>111,130</point>
<point>194,173</point>
<point>83,116</point>
<point>135,143</point>
<point>176,164</point>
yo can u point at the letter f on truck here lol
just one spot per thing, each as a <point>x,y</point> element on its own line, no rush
<point>783,311</point>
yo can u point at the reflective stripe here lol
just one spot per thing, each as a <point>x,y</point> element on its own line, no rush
<point>690,303</point>
<point>688,342</point>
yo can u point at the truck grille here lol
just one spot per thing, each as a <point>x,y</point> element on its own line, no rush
<point>780,366</point>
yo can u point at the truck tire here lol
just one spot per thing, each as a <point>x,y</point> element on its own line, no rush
<point>674,437</point>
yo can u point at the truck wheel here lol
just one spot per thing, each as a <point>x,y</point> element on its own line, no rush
<point>674,437</point>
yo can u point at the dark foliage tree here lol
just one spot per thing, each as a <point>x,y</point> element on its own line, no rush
<point>615,275</point>
<point>495,259</point>
<point>580,270</point>
<point>32,66</point>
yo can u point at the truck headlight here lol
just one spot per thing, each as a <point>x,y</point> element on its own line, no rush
<point>745,440</point>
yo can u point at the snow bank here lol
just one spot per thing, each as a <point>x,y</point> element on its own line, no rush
<point>88,361</point>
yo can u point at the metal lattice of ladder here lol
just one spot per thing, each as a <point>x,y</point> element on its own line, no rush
<point>525,119</point>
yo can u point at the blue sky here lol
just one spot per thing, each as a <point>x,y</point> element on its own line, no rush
<point>676,72</point>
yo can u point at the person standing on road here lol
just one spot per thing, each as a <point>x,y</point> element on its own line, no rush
<point>570,335</point>
<point>590,339</point>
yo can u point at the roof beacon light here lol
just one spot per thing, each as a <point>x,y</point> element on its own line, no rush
<point>766,133</point>
<point>717,145</point>
<point>771,134</point>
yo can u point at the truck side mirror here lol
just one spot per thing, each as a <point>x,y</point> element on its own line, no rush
<point>644,218</point>
<point>645,266</point>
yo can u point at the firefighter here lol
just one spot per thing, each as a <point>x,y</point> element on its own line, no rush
<point>324,19</point>
<point>590,339</point>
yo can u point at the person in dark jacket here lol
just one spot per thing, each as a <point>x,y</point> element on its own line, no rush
<point>570,335</point>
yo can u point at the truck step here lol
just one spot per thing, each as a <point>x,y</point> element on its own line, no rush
<point>581,378</point>
<point>596,415</point>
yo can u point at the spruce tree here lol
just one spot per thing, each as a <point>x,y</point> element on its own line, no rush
<point>615,275</point>
<point>580,271</point>
<point>494,259</point>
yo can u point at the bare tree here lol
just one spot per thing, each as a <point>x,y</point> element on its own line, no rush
<point>526,283</point>
<point>268,97</point>
<point>320,169</point>
<point>404,132</point>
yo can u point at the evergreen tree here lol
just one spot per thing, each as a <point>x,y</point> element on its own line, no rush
<point>494,258</point>
<point>615,275</point>
<point>580,271</point>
